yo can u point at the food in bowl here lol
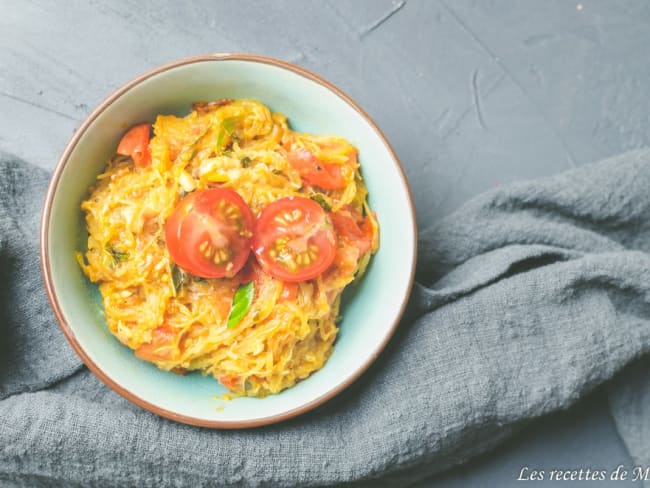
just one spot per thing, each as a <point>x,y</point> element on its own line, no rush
<point>224,242</point>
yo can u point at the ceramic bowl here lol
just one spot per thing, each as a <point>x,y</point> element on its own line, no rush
<point>371,313</point>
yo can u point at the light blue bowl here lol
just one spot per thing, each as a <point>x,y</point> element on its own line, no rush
<point>313,105</point>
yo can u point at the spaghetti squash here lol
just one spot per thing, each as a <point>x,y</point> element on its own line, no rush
<point>222,241</point>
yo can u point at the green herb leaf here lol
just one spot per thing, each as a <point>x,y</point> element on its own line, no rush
<point>241,304</point>
<point>229,124</point>
<point>221,138</point>
<point>118,256</point>
<point>245,162</point>
<point>178,277</point>
<point>321,200</point>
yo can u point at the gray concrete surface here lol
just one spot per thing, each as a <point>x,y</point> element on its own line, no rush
<point>471,94</point>
<point>583,437</point>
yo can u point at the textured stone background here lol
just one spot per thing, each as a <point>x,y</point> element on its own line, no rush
<point>471,95</point>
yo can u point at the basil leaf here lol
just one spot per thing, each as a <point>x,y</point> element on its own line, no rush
<point>221,137</point>
<point>178,277</point>
<point>118,256</point>
<point>227,126</point>
<point>321,200</point>
<point>241,304</point>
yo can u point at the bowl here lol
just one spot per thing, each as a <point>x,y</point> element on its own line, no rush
<point>371,312</point>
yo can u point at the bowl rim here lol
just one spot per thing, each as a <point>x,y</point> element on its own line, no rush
<point>48,279</point>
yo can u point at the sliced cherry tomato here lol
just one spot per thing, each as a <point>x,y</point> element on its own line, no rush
<point>350,225</point>
<point>135,143</point>
<point>314,171</point>
<point>209,233</point>
<point>294,239</point>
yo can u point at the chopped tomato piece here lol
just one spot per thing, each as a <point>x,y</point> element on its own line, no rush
<point>135,143</point>
<point>351,226</point>
<point>314,171</point>
<point>294,239</point>
<point>209,233</point>
<point>289,292</point>
<point>160,347</point>
<point>230,381</point>
<point>250,272</point>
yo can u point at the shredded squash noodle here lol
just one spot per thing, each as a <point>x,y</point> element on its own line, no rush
<point>179,321</point>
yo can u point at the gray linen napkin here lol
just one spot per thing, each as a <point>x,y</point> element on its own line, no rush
<point>527,297</point>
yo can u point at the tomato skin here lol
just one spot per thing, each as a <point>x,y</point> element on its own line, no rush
<point>135,143</point>
<point>160,346</point>
<point>300,234</point>
<point>209,233</point>
<point>173,235</point>
<point>351,226</point>
<point>289,292</point>
<point>250,272</point>
<point>314,171</point>
<point>230,381</point>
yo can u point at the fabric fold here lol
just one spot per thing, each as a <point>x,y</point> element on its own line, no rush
<point>34,354</point>
<point>629,400</point>
<point>527,297</point>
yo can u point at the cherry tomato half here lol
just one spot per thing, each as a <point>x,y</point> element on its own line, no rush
<point>209,233</point>
<point>294,239</point>
<point>135,143</point>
